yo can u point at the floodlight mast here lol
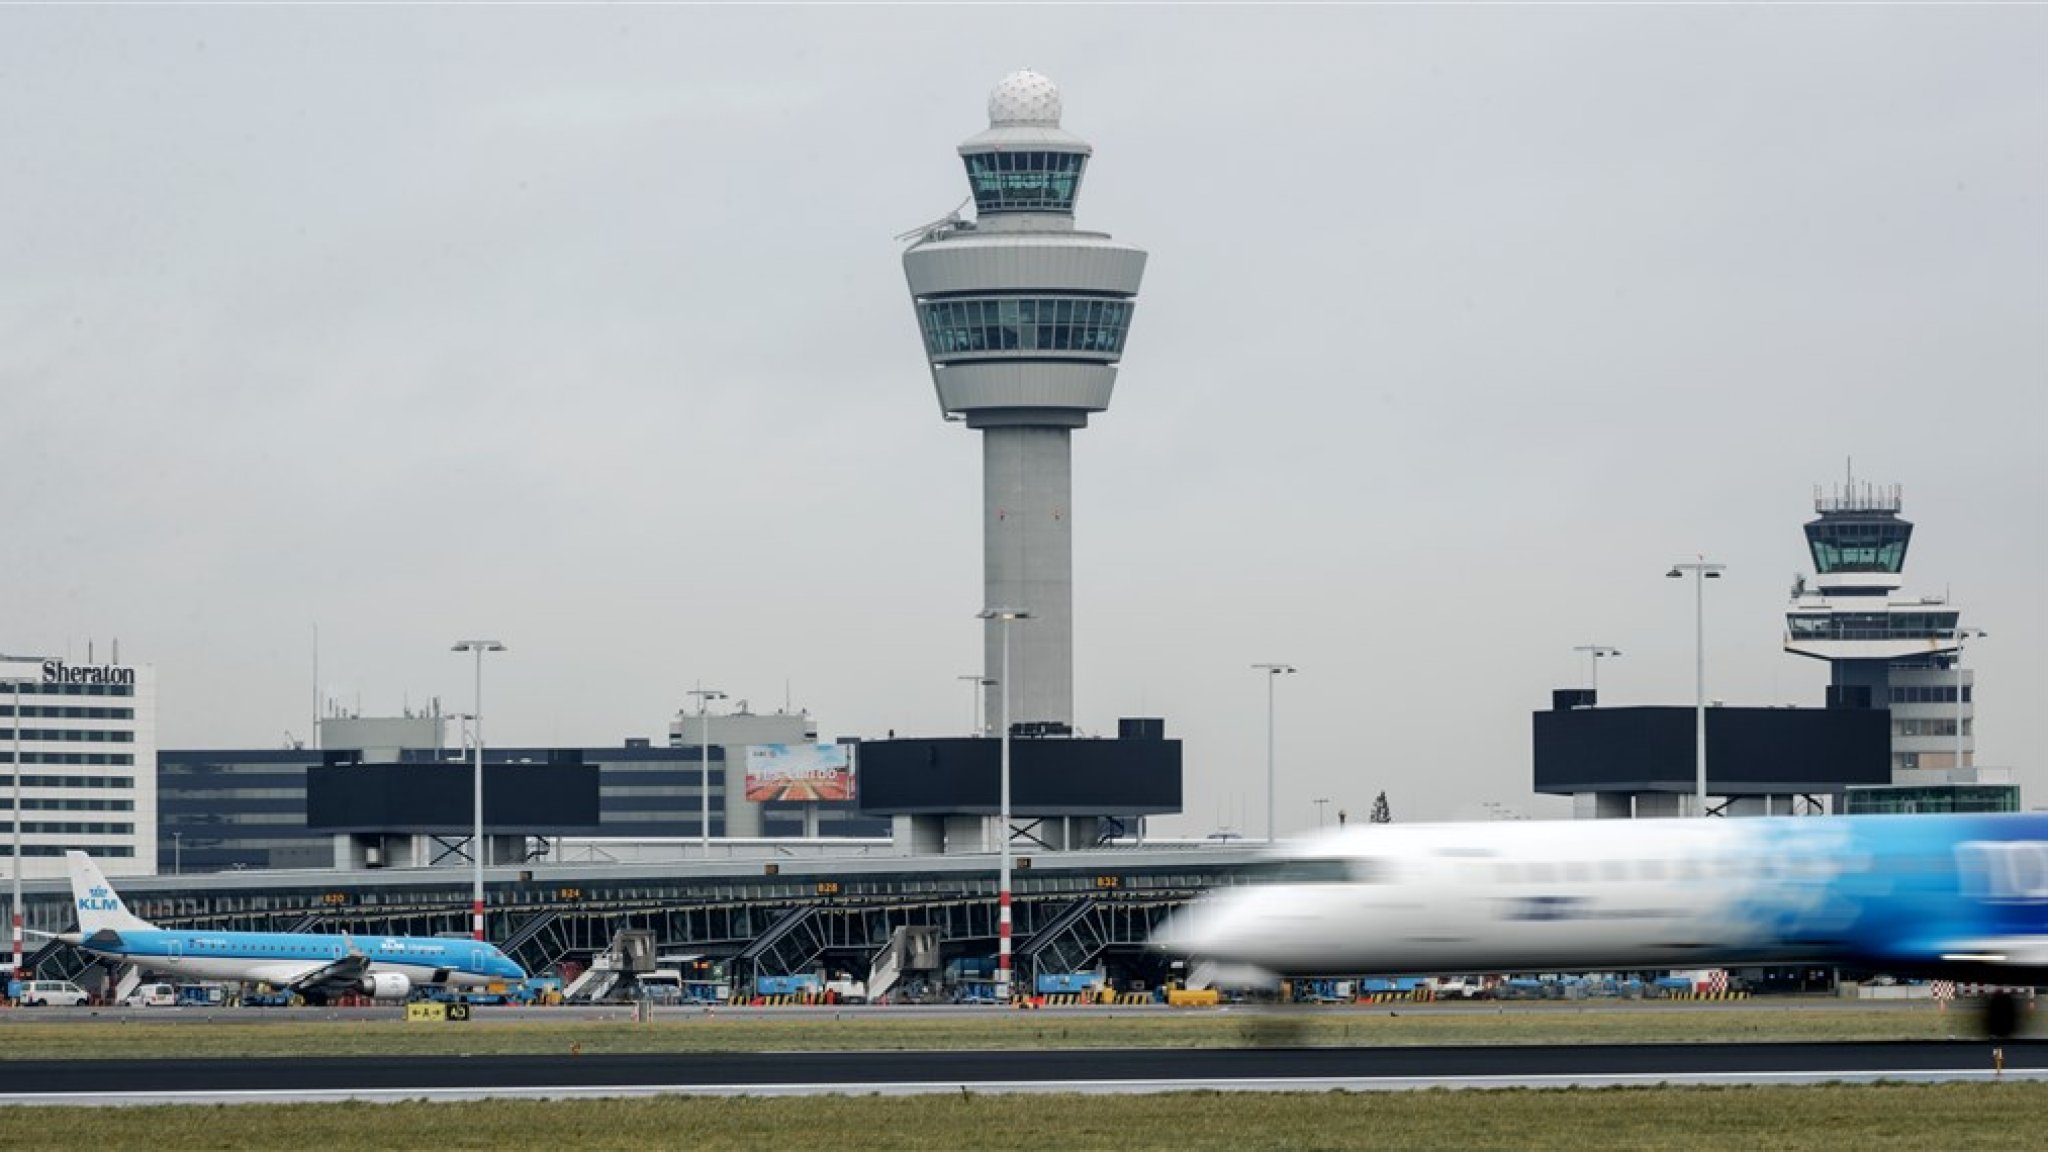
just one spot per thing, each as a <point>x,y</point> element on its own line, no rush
<point>1702,570</point>
<point>1003,618</point>
<point>476,847</point>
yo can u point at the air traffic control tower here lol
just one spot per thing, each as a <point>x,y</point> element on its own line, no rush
<point>1884,649</point>
<point>1024,320</point>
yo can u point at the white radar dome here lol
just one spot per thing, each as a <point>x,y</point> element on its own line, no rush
<point>1024,97</point>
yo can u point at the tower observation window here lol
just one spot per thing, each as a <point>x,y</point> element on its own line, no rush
<point>1858,547</point>
<point>1091,327</point>
<point>1024,181</point>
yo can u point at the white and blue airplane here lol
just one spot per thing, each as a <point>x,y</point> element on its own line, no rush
<point>314,965</point>
<point>1959,897</point>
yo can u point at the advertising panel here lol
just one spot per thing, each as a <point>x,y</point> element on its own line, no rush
<point>800,773</point>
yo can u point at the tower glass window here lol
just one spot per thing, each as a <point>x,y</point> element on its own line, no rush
<point>961,328</point>
<point>1024,181</point>
<point>1845,545</point>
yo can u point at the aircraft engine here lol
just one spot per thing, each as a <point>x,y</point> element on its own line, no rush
<point>387,986</point>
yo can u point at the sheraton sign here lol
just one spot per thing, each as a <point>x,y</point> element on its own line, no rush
<point>58,672</point>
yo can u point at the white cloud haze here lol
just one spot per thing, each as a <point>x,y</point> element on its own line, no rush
<point>583,328</point>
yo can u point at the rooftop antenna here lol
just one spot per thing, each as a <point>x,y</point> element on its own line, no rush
<point>948,222</point>
<point>316,685</point>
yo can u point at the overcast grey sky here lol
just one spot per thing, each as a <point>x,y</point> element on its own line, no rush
<point>585,329</point>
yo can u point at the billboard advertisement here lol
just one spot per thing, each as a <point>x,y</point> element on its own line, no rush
<point>799,773</point>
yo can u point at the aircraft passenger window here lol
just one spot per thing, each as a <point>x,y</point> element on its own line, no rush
<point>1305,872</point>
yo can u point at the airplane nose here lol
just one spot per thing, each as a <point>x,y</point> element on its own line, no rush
<point>1195,930</point>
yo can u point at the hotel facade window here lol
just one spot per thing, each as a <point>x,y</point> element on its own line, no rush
<point>87,739</point>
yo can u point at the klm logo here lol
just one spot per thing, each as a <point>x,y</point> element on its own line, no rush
<point>99,900</point>
<point>2004,871</point>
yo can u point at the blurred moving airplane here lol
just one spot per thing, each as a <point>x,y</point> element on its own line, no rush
<point>1962,897</point>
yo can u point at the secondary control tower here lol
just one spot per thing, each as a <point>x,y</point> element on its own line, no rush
<point>1024,319</point>
<point>1884,649</point>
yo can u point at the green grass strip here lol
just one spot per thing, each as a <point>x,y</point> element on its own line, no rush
<point>1861,1117</point>
<point>254,1033</point>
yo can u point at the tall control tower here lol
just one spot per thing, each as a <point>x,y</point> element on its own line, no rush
<point>1024,320</point>
<point>1884,648</point>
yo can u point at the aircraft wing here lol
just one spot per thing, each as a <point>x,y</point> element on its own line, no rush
<point>306,975</point>
<point>347,970</point>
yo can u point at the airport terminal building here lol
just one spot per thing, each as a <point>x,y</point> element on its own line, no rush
<point>384,792</point>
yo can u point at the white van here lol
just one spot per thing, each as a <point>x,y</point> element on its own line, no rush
<point>661,985</point>
<point>63,993</point>
<point>151,996</point>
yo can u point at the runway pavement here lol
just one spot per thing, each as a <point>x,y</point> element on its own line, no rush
<point>109,1082</point>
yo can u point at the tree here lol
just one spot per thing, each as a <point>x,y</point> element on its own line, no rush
<point>1381,814</point>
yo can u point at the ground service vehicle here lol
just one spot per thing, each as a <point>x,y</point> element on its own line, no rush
<point>151,996</point>
<point>52,994</point>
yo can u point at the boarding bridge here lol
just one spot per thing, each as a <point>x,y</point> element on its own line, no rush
<point>533,927</point>
<point>790,945</point>
<point>1075,938</point>
<point>787,915</point>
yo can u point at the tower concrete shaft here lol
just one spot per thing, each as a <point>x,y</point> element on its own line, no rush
<point>1028,559</point>
<point>1024,320</point>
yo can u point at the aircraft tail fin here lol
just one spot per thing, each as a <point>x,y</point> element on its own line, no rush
<point>99,906</point>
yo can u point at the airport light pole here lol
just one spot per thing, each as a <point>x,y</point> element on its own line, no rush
<point>476,852</point>
<point>1702,571</point>
<point>1596,651</point>
<point>1006,616</point>
<point>704,698</point>
<point>177,853</point>
<point>16,821</point>
<point>1962,634</point>
<point>1319,802</point>
<point>1273,672</point>
<point>980,682</point>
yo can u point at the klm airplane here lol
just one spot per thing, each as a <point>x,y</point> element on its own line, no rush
<point>313,965</point>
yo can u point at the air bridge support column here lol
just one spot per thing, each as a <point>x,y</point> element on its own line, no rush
<point>1602,806</point>
<point>1660,805</point>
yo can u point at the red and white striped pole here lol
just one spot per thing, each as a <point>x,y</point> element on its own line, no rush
<point>15,819</point>
<point>476,847</point>
<point>1003,834</point>
<point>1003,618</point>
